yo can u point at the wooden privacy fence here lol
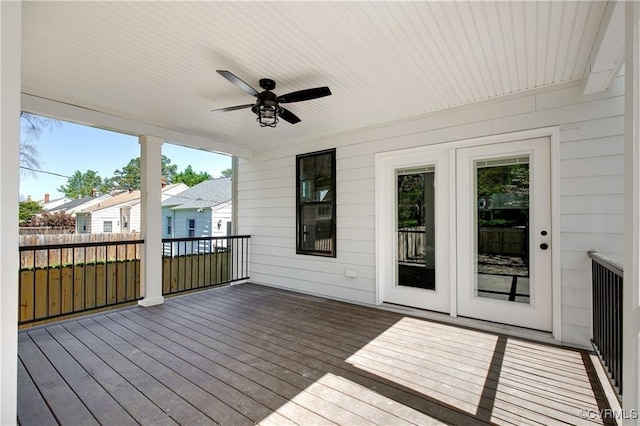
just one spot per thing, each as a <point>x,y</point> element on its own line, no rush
<point>200,262</point>
<point>69,249</point>
<point>61,280</point>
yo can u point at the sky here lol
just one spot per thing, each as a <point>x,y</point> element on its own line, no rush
<point>69,147</point>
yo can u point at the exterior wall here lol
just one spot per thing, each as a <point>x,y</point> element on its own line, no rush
<point>135,224</point>
<point>203,222</point>
<point>206,225</point>
<point>134,219</point>
<point>224,214</point>
<point>206,221</point>
<point>591,191</point>
<point>98,218</point>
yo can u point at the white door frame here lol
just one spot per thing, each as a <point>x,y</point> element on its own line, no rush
<point>383,237</point>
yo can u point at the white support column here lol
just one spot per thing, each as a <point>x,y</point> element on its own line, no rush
<point>151,219</point>
<point>10,31</point>
<point>234,195</point>
<point>631,291</point>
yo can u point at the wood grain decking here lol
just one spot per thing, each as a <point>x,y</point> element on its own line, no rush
<point>249,354</point>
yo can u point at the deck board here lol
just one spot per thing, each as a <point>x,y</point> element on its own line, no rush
<point>249,354</point>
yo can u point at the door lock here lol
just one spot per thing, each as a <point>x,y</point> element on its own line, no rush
<point>544,246</point>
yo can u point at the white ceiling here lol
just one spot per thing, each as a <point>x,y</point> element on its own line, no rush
<point>155,61</point>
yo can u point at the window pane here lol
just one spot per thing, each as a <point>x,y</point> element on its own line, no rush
<point>315,179</point>
<point>316,230</point>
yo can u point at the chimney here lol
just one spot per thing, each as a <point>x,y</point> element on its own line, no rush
<point>94,193</point>
<point>163,182</point>
<point>28,198</point>
<point>46,198</point>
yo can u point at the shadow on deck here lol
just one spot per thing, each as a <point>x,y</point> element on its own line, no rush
<point>249,354</point>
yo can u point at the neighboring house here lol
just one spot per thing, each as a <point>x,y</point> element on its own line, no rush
<point>48,204</point>
<point>80,204</point>
<point>121,213</point>
<point>203,210</point>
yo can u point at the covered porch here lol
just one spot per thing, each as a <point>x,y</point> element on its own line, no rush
<point>404,76</point>
<point>249,354</point>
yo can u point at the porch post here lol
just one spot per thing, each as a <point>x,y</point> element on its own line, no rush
<point>10,31</point>
<point>631,290</point>
<point>151,219</point>
<point>234,195</point>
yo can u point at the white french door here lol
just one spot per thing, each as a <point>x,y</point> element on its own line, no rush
<point>466,230</point>
<point>503,222</point>
<point>414,208</point>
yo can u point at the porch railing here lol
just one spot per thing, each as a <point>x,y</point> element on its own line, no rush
<point>58,280</point>
<point>201,262</point>
<point>606,277</point>
<point>411,244</point>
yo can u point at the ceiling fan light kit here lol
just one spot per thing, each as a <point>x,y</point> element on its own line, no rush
<point>267,115</point>
<point>267,106</point>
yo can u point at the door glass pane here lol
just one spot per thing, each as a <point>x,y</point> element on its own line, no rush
<point>416,228</point>
<point>502,229</point>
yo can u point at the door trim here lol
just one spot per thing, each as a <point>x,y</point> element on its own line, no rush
<point>382,263</point>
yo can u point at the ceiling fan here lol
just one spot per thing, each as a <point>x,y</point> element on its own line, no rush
<point>267,106</point>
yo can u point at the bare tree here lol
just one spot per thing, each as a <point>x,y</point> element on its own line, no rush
<point>31,128</point>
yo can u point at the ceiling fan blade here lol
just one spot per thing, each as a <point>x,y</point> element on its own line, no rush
<point>236,80</point>
<point>304,95</point>
<point>233,108</point>
<point>287,115</point>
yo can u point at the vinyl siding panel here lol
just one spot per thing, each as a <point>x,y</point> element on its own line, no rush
<point>100,216</point>
<point>135,224</point>
<point>591,200</point>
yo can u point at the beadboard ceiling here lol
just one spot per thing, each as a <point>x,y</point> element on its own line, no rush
<point>155,62</point>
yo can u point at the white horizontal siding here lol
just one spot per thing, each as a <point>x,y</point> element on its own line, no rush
<point>105,215</point>
<point>220,213</point>
<point>135,224</point>
<point>591,201</point>
<point>202,223</point>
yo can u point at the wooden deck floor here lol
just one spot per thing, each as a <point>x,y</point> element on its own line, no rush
<point>248,354</point>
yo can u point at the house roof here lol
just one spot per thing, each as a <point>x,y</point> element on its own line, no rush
<point>78,202</point>
<point>209,193</point>
<point>126,199</point>
<point>385,62</point>
<point>116,200</point>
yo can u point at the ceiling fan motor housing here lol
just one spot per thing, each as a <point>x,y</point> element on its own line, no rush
<point>267,84</point>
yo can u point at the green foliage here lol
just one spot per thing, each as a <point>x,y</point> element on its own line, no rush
<point>82,184</point>
<point>191,178</point>
<point>512,179</point>
<point>410,200</point>
<point>27,210</point>
<point>226,173</point>
<point>129,176</point>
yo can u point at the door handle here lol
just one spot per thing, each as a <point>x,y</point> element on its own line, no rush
<point>544,246</point>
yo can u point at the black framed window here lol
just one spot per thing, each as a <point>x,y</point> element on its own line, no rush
<point>316,203</point>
